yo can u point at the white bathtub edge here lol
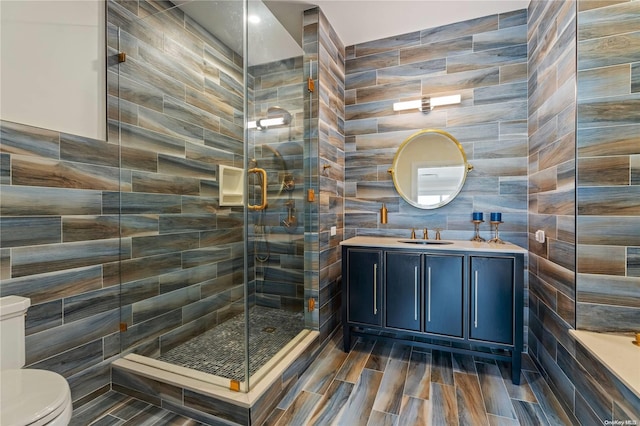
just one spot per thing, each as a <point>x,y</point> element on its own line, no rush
<point>616,352</point>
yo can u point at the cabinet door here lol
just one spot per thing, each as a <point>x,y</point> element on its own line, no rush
<point>492,287</point>
<point>364,286</point>
<point>402,291</point>
<point>444,294</point>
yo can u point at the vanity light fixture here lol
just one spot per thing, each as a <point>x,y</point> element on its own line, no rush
<point>427,104</point>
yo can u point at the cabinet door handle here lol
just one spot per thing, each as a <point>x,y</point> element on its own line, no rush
<point>415,294</point>
<point>429,294</point>
<point>375,289</point>
<point>475,301</point>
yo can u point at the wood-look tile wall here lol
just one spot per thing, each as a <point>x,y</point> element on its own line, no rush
<point>485,61</point>
<point>608,154</point>
<point>310,23</point>
<point>324,59</point>
<point>552,79</point>
<point>608,190</point>
<point>582,384</point>
<point>276,250</point>
<point>60,238</point>
<point>61,246</point>
<point>130,230</point>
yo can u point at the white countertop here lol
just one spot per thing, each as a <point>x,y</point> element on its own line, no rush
<point>456,245</point>
<point>616,352</point>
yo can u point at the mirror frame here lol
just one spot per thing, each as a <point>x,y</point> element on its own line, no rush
<point>467,168</point>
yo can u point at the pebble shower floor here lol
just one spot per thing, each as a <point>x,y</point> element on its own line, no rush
<point>220,351</point>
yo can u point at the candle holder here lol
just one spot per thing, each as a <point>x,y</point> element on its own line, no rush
<point>477,237</point>
<point>496,239</point>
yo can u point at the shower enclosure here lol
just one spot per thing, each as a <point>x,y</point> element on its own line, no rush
<point>206,102</point>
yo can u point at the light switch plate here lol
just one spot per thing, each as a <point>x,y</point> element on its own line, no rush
<point>333,231</point>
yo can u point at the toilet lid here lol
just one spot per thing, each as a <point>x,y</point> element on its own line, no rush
<point>28,396</point>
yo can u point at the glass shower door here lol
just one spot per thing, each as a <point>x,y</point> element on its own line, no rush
<point>212,205</point>
<point>275,136</point>
<point>177,109</point>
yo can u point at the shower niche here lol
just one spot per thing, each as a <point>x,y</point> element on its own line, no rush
<point>231,185</point>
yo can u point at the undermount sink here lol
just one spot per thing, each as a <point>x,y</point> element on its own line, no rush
<point>416,241</point>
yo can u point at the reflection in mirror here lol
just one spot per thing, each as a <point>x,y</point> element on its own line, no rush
<point>429,169</point>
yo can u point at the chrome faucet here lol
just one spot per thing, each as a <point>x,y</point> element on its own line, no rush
<point>425,235</point>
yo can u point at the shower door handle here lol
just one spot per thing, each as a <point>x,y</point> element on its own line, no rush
<point>263,185</point>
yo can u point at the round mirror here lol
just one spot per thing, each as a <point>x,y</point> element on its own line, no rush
<point>429,169</point>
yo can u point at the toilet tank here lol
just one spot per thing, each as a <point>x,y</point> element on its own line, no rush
<point>12,313</point>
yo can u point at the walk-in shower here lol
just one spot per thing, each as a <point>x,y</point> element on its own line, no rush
<point>190,95</point>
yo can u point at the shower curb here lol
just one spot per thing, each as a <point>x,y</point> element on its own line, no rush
<point>212,403</point>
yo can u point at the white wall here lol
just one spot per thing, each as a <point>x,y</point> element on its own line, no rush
<point>52,65</point>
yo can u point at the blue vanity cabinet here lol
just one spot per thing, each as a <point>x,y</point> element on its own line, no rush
<point>459,298</point>
<point>424,292</point>
<point>403,290</point>
<point>492,299</point>
<point>364,274</point>
<point>444,294</point>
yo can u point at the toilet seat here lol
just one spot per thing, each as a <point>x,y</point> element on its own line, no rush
<point>34,398</point>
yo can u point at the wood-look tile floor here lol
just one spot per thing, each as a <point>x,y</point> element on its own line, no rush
<point>113,408</point>
<point>379,384</point>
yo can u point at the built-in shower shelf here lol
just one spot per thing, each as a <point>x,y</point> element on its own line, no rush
<point>231,181</point>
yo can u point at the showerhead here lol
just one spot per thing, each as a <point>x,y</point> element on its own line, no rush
<point>276,111</point>
<point>276,116</point>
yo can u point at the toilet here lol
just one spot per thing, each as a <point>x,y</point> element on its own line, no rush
<point>27,396</point>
